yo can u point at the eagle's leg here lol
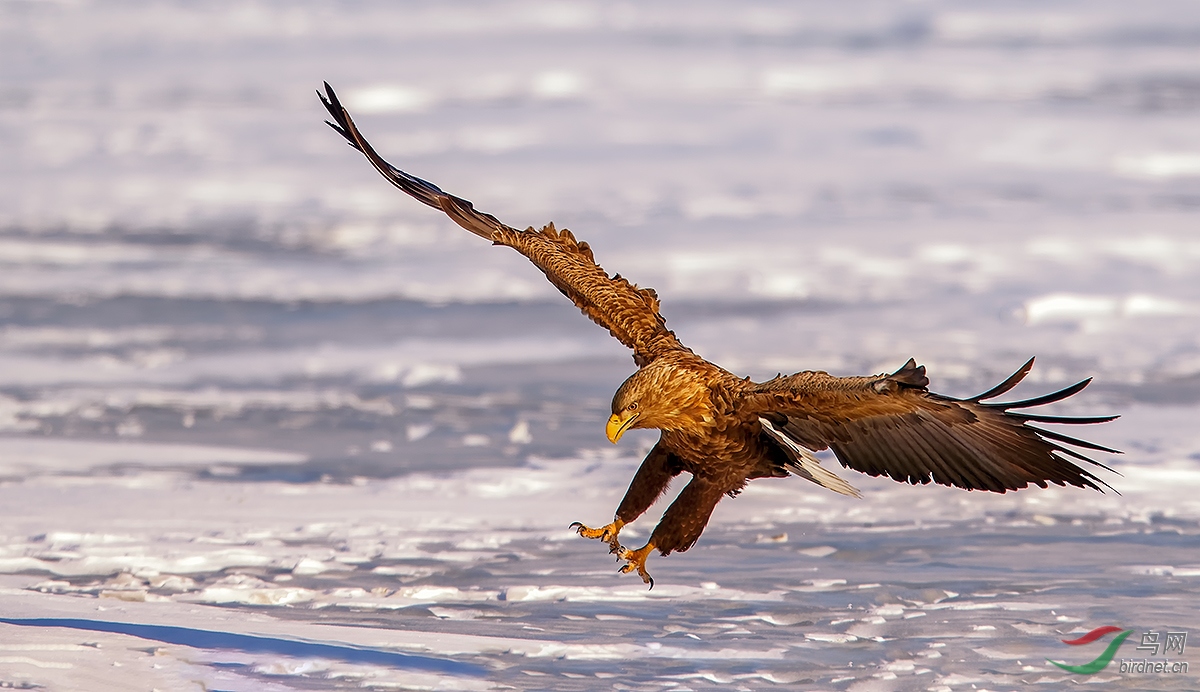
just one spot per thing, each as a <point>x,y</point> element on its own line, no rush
<point>685,519</point>
<point>651,479</point>
<point>680,527</point>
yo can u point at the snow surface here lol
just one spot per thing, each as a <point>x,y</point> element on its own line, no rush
<point>267,424</point>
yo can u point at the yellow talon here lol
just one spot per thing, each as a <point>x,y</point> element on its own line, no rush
<point>608,534</point>
<point>636,559</point>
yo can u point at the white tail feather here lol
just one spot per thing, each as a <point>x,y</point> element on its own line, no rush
<point>807,465</point>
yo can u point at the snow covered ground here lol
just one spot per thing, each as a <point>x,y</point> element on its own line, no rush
<point>267,424</point>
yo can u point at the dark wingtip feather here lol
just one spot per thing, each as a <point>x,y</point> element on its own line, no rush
<point>1086,479</point>
<point>1012,381</point>
<point>1048,437</point>
<point>330,100</point>
<point>1077,455</point>
<point>1045,398</point>
<point>1064,420</point>
<point>330,97</point>
<point>1074,441</point>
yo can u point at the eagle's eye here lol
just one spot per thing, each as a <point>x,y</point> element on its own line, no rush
<point>631,407</point>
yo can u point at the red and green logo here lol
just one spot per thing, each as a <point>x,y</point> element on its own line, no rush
<point>1104,658</point>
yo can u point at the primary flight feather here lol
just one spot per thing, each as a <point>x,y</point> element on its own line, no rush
<point>724,430</point>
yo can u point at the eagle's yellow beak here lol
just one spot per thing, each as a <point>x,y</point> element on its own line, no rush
<point>617,426</point>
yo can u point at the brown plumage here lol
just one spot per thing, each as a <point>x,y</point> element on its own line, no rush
<point>724,430</point>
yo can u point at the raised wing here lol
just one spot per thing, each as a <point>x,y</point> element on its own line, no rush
<point>629,313</point>
<point>892,425</point>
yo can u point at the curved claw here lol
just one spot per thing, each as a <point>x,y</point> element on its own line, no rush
<point>636,560</point>
<point>646,578</point>
<point>576,525</point>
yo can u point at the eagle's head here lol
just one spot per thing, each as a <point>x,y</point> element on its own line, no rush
<point>661,395</point>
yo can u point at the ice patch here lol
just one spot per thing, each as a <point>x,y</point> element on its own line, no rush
<point>26,252</point>
<point>387,99</point>
<point>558,84</point>
<point>425,373</point>
<point>831,637</point>
<point>255,596</point>
<point>1015,25</point>
<point>25,456</point>
<point>631,594</point>
<point>519,434</point>
<point>414,363</point>
<point>1158,166</point>
<point>1064,307</point>
<point>818,81</point>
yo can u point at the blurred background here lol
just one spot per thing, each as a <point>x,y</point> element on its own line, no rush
<point>204,290</point>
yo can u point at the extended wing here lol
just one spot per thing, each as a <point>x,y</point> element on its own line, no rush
<point>892,425</point>
<point>629,313</point>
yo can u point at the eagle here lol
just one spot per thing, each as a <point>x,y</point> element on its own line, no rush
<point>724,430</point>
